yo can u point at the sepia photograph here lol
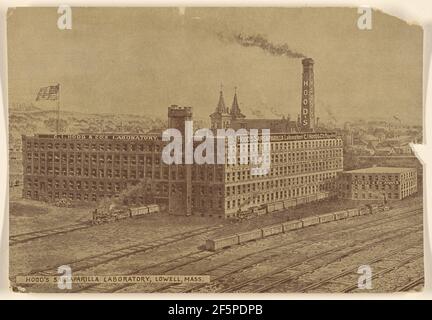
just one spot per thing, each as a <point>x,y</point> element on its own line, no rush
<point>214,150</point>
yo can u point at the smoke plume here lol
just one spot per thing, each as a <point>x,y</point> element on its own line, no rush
<point>261,42</point>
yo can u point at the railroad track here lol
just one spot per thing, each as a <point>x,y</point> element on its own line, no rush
<point>222,270</point>
<point>294,270</point>
<point>412,285</point>
<point>29,236</point>
<point>105,257</point>
<point>395,266</point>
<point>338,278</point>
<point>172,264</point>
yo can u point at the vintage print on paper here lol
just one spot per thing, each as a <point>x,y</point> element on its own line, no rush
<point>207,150</point>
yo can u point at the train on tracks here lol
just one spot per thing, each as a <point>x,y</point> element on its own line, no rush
<point>121,212</point>
<point>256,234</point>
<point>253,212</point>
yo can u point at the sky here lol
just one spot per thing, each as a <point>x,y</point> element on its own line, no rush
<point>142,60</point>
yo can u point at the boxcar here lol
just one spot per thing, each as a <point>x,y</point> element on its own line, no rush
<point>353,212</point>
<point>301,200</point>
<point>310,221</point>
<point>341,215</point>
<point>292,225</point>
<point>270,207</point>
<point>153,208</point>
<point>260,211</point>
<point>220,243</point>
<point>272,230</point>
<point>320,195</point>
<point>121,214</point>
<point>289,203</point>
<point>250,235</point>
<point>279,206</point>
<point>326,217</point>
<point>373,208</point>
<point>311,198</point>
<point>138,211</point>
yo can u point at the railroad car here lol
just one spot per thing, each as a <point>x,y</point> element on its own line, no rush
<point>272,230</point>
<point>270,207</point>
<point>311,198</point>
<point>326,217</point>
<point>301,200</point>
<point>260,211</point>
<point>363,211</point>
<point>353,212</point>
<point>289,203</point>
<point>220,243</point>
<point>320,195</point>
<point>153,208</point>
<point>279,206</point>
<point>292,225</point>
<point>341,215</point>
<point>250,235</point>
<point>310,221</point>
<point>373,208</point>
<point>138,211</point>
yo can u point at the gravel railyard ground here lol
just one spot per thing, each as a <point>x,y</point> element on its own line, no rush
<point>354,237</point>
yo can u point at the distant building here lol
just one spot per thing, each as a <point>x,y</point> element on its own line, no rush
<point>224,118</point>
<point>378,183</point>
<point>384,151</point>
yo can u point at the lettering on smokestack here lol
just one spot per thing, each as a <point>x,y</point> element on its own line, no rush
<point>307,106</point>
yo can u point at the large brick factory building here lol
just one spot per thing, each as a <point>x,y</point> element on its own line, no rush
<point>90,167</point>
<point>378,183</point>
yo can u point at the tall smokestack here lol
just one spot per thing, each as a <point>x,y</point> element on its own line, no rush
<point>308,105</point>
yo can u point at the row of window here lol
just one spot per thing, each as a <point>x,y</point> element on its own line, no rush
<point>278,183</point>
<point>86,146</point>
<point>276,171</point>
<point>268,197</point>
<point>155,147</point>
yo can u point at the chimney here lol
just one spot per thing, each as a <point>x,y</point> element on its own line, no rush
<point>307,104</point>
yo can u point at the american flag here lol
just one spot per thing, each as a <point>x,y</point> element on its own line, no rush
<point>48,93</point>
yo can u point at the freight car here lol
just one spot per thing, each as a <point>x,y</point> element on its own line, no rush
<point>301,200</point>
<point>278,206</point>
<point>153,208</point>
<point>138,211</point>
<point>310,221</point>
<point>363,211</point>
<point>271,207</point>
<point>311,198</point>
<point>373,208</point>
<point>260,211</point>
<point>250,235</point>
<point>292,225</point>
<point>321,195</point>
<point>221,243</point>
<point>328,217</point>
<point>339,215</point>
<point>353,212</point>
<point>272,230</point>
<point>290,203</point>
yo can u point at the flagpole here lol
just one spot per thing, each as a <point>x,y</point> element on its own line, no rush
<point>58,109</point>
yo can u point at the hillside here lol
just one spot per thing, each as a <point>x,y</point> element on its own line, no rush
<point>39,121</point>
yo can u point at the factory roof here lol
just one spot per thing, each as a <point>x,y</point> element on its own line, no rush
<point>380,170</point>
